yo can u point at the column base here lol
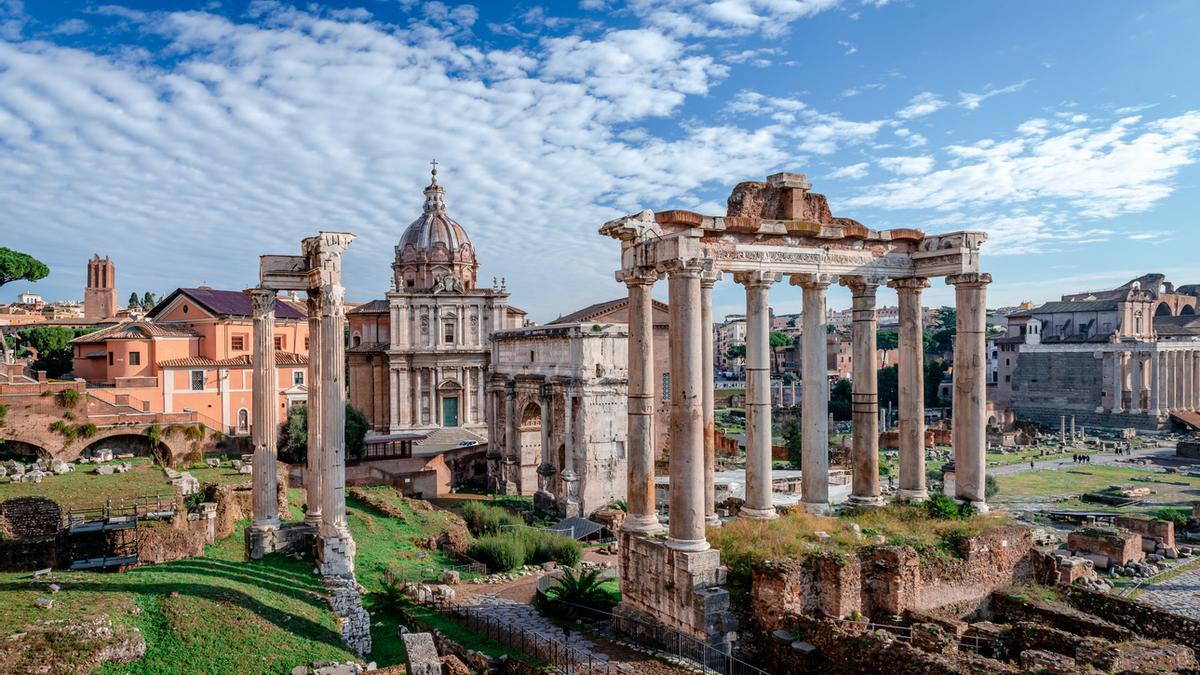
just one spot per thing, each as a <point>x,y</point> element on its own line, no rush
<point>312,519</point>
<point>266,524</point>
<point>284,539</point>
<point>757,514</point>
<point>903,495</point>
<point>642,524</point>
<point>335,555</point>
<point>712,520</point>
<point>688,545</point>
<point>855,500</point>
<point>816,508</point>
<point>1099,409</point>
<point>981,507</point>
<point>572,508</point>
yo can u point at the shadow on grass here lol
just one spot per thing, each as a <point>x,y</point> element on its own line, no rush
<point>296,589</point>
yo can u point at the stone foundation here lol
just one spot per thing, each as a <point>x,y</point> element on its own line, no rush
<point>354,623</point>
<point>287,538</point>
<point>1116,546</point>
<point>335,556</point>
<point>662,587</point>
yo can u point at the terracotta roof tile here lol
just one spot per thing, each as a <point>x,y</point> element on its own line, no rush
<point>137,330</point>
<point>244,361</point>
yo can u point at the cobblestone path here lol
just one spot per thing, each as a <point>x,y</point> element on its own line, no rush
<point>1179,595</point>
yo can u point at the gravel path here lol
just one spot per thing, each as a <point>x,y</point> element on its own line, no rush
<point>1105,458</point>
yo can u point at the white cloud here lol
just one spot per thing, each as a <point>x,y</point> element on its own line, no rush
<point>852,171</point>
<point>924,103</point>
<point>912,139</point>
<point>727,18</point>
<point>972,101</point>
<point>850,49</point>
<point>855,91</point>
<point>814,131</point>
<point>907,166</point>
<point>71,27</point>
<point>759,58</point>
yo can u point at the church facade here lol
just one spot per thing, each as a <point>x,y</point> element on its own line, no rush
<point>418,359</point>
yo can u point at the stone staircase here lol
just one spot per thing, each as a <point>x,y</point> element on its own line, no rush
<point>450,437</point>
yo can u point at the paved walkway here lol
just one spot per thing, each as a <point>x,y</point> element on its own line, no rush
<point>1179,595</point>
<point>1099,458</point>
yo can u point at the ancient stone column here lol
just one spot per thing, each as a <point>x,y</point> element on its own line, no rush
<point>686,531</point>
<point>333,412</point>
<point>512,442</point>
<point>569,476</point>
<point>1062,429</point>
<point>1187,403</point>
<point>266,411</point>
<point>1155,382</point>
<point>970,397</point>
<point>759,502</point>
<point>710,430</point>
<point>643,516</point>
<point>864,399</point>
<point>545,467</point>
<point>403,414</point>
<point>1118,379</point>
<point>814,422</point>
<point>1135,382</point>
<point>1171,380</point>
<point>313,476</point>
<point>911,377</point>
<point>393,399</point>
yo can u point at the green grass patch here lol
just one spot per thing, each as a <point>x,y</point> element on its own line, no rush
<point>1076,480</point>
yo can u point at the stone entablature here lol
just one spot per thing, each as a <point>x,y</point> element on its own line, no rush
<point>559,428</point>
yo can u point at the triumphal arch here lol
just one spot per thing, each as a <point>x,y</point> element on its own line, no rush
<point>777,230</point>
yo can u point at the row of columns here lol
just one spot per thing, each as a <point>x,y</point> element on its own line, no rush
<point>414,397</point>
<point>1156,381</point>
<point>691,424</point>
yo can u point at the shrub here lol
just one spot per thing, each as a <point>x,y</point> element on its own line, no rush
<point>46,393</point>
<point>68,415</point>
<point>501,553</point>
<point>390,596</point>
<point>194,433</point>
<point>63,428</point>
<point>194,458</point>
<point>485,519</point>
<point>68,398</point>
<point>1174,515</point>
<point>941,507</point>
<point>85,430</point>
<point>3,412</point>
<point>991,487</point>
<point>566,552</point>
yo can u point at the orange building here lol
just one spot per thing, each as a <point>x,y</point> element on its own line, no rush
<point>192,352</point>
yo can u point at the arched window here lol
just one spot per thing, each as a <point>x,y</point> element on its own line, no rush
<point>243,422</point>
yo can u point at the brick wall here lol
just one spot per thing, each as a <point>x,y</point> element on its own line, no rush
<point>1118,545</point>
<point>1150,529</point>
<point>1139,617</point>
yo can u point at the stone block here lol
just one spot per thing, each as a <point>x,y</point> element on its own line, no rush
<point>1118,545</point>
<point>246,469</point>
<point>421,653</point>
<point>213,463</point>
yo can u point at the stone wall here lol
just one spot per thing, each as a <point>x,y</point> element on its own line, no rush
<point>1008,607</point>
<point>1118,545</point>
<point>161,543</point>
<point>682,590</point>
<point>30,517</point>
<point>885,581</point>
<point>1148,528</point>
<point>1049,384</point>
<point>1188,449</point>
<point>24,555</point>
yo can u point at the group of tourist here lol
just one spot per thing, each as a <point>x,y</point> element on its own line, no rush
<point>1081,459</point>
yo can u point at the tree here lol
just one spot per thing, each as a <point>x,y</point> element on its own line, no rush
<point>887,339</point>
<point>53,347</point>
<point>935,371</point>
<point>17,266</point>
<point>147,301</point>
<point>293,438</point>
<point>133,301</point>
<point>780,339</point>
<point>793,440</point>
<point>736,352</point>
<point>839,399</point>
<point>889,386</point>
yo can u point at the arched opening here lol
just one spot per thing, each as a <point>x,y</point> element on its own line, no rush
<point>1163,309</point>
<point>355,340</point>
<point>1187,310</point>
<point>21,451</point>
<point>243,421</point>
<point>529,442</point>
<point>120,444</point>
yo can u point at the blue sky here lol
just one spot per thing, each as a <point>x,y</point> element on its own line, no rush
<point>185,139</point>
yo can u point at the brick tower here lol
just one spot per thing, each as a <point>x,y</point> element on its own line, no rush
<point>100,296</point>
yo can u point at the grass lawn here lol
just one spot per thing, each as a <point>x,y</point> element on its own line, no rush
<point>219,614</point>
<point>998,459</point>
<point>1076,480</point>
<point>82,488</point>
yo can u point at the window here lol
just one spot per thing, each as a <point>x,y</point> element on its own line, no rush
<point>243,420</point>
<point>110,358</point>
<point>238,343</point>
<point>297,377</point>
<point>197,380</point>
<point>305,343</point>
<point>448,332</point>
<point>666,386</point>
<point>1008,378</point>
<point>135,358</point>
<point>279,343</point>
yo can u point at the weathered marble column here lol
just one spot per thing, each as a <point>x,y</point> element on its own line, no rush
<point>1188,403</point>
<point>416,397</point>
<point>512,442</point>
<point>814,420</point>
<point>266,411</point>
<point>911,376</point>
<point>393,399</point>
<point>686,531</point>
<point>1155,382</point>
<point>1118,380</point>
<point>643,515</point>
<point>333,413</point>
<point>1171,380</point>
<point>403,414</point>
<point>570,477</point>
<point>970,393</point>
<point>1135,382</point>
<point>864,398</point>
<point>759,493</point>
<point>314,480</point>
<point>545,467</point>
<point>707,281</point>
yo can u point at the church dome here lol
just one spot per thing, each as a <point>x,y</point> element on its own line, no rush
<point>435,252</point>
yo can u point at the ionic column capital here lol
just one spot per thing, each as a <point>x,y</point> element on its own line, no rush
<point>685,267</point>
<point>969,279</point>
<point>709,278</point>
<point>756,278</point>
<point>811,281</point>
<point>642,276</point>
<point>262,300</point>
<point>909,284</point>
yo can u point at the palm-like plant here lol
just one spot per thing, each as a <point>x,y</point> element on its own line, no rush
<point>582,591</point>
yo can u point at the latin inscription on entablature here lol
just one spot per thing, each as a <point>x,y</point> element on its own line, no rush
<point>811,261</point>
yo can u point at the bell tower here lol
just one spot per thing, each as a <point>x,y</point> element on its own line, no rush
<point>100,295</point>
